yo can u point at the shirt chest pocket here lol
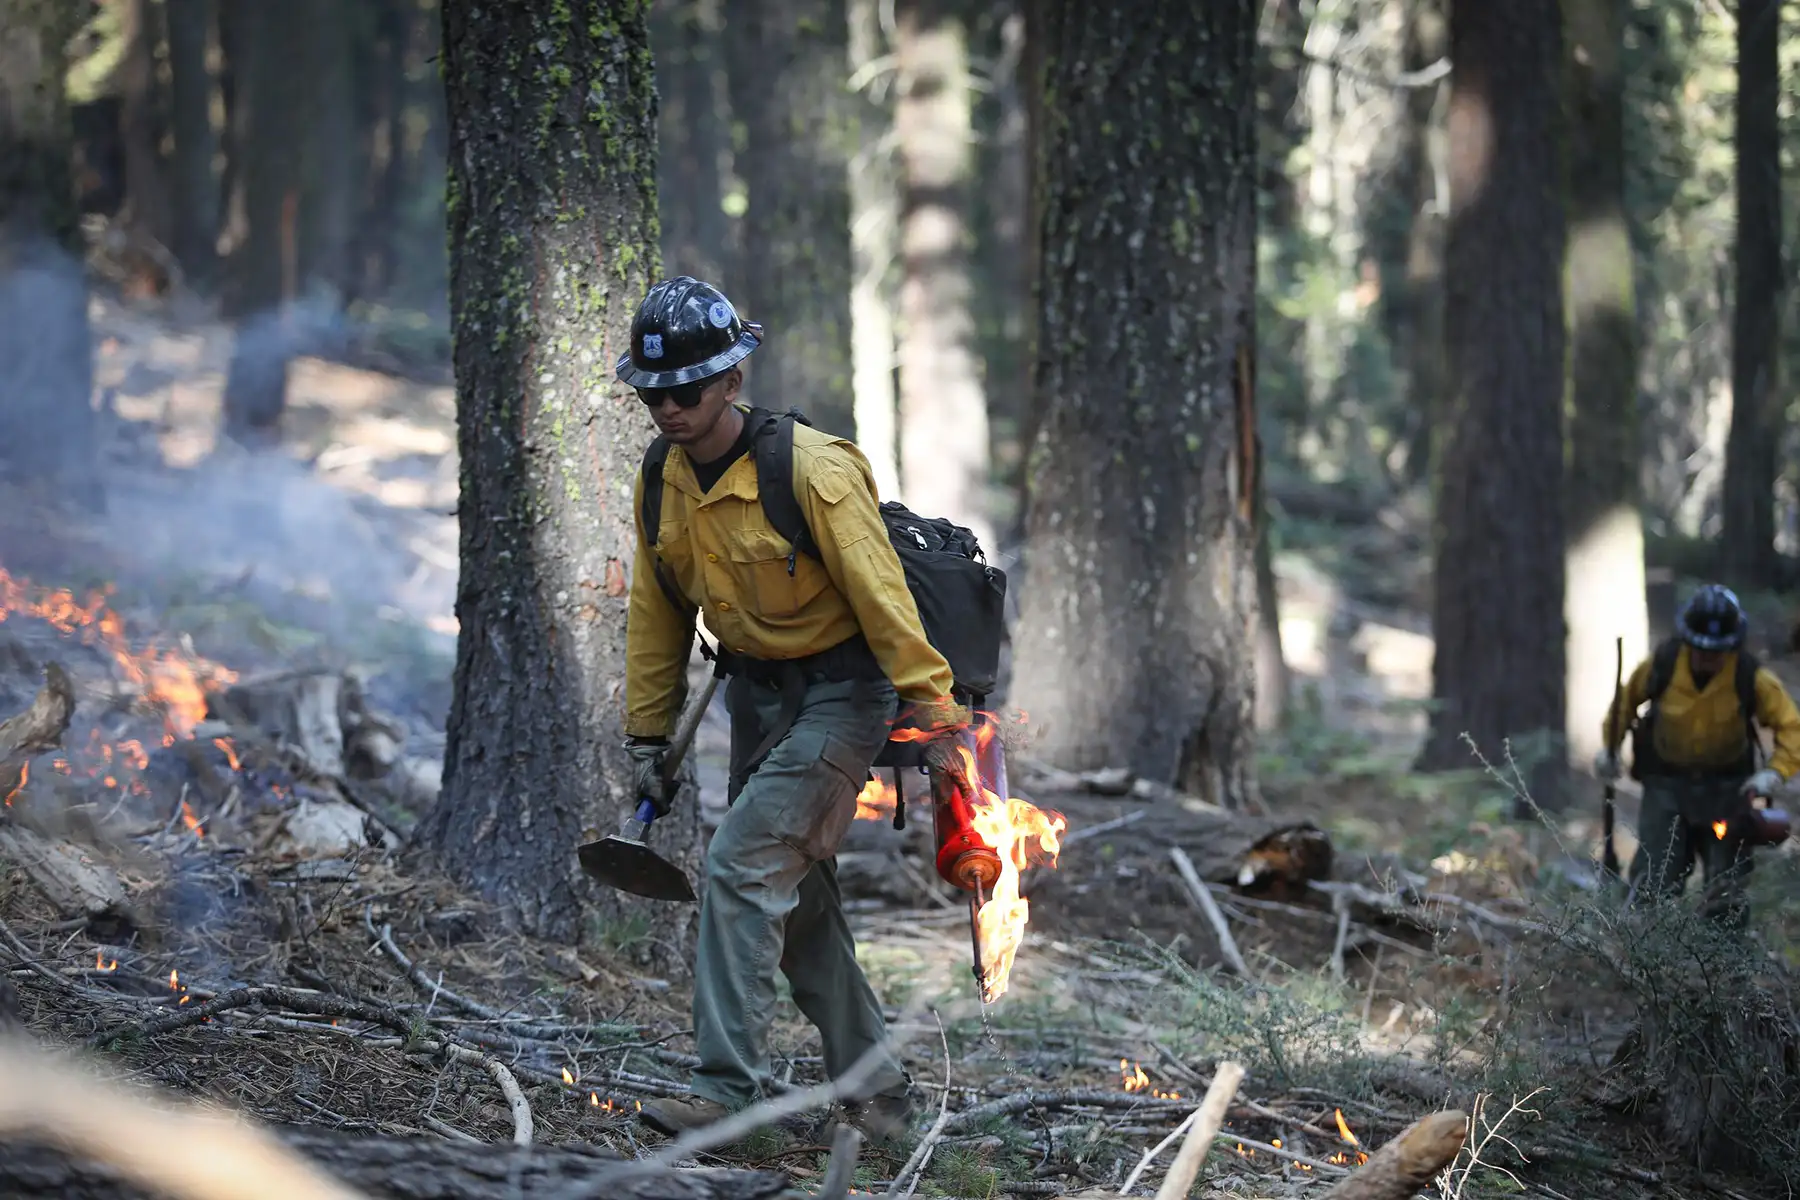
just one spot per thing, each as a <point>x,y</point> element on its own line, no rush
<point>761,560</point>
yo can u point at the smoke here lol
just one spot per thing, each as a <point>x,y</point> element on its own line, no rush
<point>244,522</point>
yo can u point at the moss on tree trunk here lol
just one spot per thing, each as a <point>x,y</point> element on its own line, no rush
<point>1135,639</point>
<point>1498,565</point>
<point>553,240</point>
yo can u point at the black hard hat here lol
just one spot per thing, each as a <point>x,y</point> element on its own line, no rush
<point>1713,619</point>
<point>685,330</point>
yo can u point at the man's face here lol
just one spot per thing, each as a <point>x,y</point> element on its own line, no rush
<point>1705,662</point>
<point>686,425</point>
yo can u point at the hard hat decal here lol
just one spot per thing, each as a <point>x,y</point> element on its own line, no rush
<point>719,314</point>
<point>653,345</point>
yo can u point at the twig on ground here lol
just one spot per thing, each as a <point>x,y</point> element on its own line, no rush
<point>846,1145</point>
<point>1105,827</point>
<point>1341,906</point>
<point>445,1129</point>
<point>1313,1164</point>
<point>1290,1122</point>
<point>1064,1098</point>
<point>1477,1133</point>
<point>1204,901</point>
<point>921,1154</point>
<point>1155,1152</point>
<point>1207,1119</point>
<point>509,1087</point>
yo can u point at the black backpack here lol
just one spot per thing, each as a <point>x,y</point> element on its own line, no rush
<point>960,596</point>
<point>1644,759</point>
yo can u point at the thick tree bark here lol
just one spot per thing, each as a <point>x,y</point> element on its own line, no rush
<point>552,244</point>
<point>1498,561</point>
<point>1134,640</point>
<point>1605,597</point>
<point>693,138</point>
<point>874,222</point>
<point>194,224</point>
<point>1421,310</point>
<point>46,418</point>
<point>390,1168</point>
<point>787,86</point>
<point>943,408</point>
<point>1748,545</point>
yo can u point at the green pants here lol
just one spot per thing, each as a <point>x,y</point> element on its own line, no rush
<point>1675,827</point>
<point>771,895</point>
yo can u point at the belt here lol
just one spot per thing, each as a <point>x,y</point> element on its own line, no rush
<point>849,659</point>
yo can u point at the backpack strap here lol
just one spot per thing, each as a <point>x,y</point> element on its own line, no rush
<point>1662,668</point>
<point>1747,667</point>
<point>655,457</point>
<point>773,444</point>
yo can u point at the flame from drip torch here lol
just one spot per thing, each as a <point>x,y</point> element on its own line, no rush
<point>100,963</point>
<point>568,1078</point>
<point>877,800</point>
<point>1133,1079</point>
<point>1719,828</point>
<point>191,821</point>
<point>1016,830</point>
<point>230,751</point>
<point>24,778</point>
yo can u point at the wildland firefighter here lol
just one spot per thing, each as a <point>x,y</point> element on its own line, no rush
<point>1695,751</point>
<point>823,649</point>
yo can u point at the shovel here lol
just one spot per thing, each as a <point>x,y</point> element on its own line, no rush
<point>622,860</point>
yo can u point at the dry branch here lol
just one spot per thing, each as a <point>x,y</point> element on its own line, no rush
<point>1203,900</point>
<point>1409,1162</point>
<point>1207,1120</point>
<point>39,728</point>
<point>846,1145</point>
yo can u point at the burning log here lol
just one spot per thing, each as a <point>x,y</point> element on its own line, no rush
<point>1409,1162</point>
<point>39,728</point>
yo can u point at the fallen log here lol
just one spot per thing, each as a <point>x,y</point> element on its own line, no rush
<point>66,1134</point>
<point>393,1168</point>
<point>1409,1162</point>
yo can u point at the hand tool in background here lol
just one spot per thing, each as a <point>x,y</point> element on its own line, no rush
<point>1609,855</point>
<point>622,860</point>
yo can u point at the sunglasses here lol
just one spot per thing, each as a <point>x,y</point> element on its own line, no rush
<point>685,395</point>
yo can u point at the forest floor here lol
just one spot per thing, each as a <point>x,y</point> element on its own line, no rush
<point>1465,960</point>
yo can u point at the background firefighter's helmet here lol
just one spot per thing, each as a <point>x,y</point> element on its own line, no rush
<point>1713,619</point>
<point>685,330</point>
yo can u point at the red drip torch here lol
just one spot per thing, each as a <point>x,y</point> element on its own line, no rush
<point>964,859</point>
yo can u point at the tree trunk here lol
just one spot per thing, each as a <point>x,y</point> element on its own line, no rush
<point>1748,545</point>
<point>692,138</point>
<point>874,220</point>
<point>1003,231</point>
<point>269,140</point>
<point>140,122</point>
<point>787,86</point>
<point>391,1168</point>
<point>943,409</point>
<point>1422,309</point>
<point>1134,640</point>
<point>194,224</point>
<point>1498,561</point>
<point>328,183</point>
<point>46,416</point>
<point>552,245</point>
<point>1605,597</point>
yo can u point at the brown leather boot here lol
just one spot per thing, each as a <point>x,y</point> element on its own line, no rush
<point>672,1117</point>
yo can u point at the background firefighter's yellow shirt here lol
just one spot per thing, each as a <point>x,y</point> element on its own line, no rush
<point>1697,728</point>
<point>724,556</point>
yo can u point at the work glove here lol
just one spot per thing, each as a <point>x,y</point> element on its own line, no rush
<point>648,758</point>
<point>943,720</point>
<point>1606,764</point>
<point>1763,783</point>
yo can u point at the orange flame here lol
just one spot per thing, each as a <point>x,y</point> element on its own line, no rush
<point>24,778</point>
<point>1719,828</point>
<point>191,821</point>
<point>1343,1129</point>
<point>1132,1076</point>
<point>876,801</point>
<point>568,1078</point>
<point>1017,830</point>
<point>174,979</point>
<point>100,964</point>
<point>912,735</point>
<point>225,745</point>
<point>1344,1132</point>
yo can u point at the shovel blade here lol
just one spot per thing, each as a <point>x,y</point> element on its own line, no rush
<point>633,867</point>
